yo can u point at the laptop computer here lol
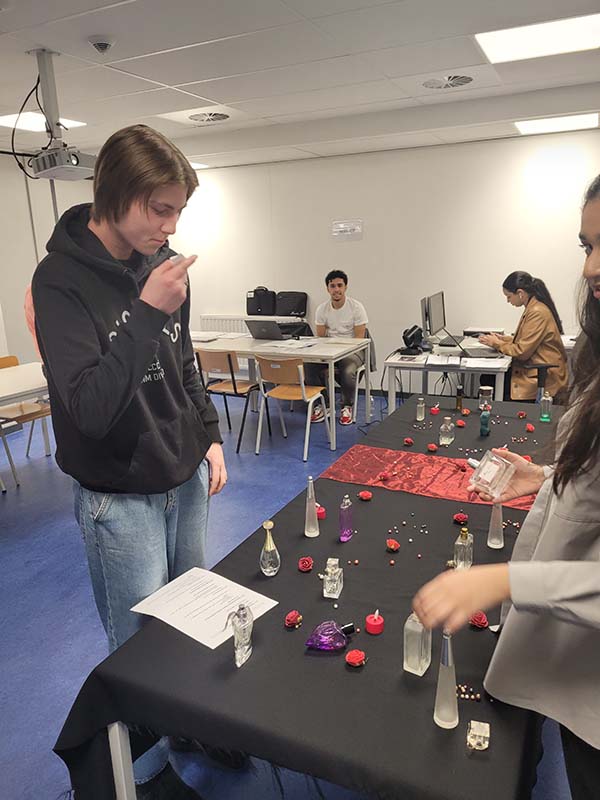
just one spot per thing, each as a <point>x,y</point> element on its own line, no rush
<point>266,329</point>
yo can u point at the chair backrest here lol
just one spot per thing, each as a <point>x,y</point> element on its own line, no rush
<point>221,363</point>
<point>8,361</point>
<point>281,370</point>
<point>372,354</point>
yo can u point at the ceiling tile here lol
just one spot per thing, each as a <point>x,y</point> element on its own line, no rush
<point>296,78</point>
<point>584,66</point>
<point>128,107</point>
<point>323,8</point>
<point>329,113</point>
<point>372,144</point>
<point>427,57</point>
<point>256,156</point>
<point>338,97</point>
<point>150,26</point>
<point>98,83</point>
<point>290,44</point>
<point>24,13</point>
<point>483,76</point>
<point>475,132</point>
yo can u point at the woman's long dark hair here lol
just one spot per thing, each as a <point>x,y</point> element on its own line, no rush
<point>534,287</point>
<point>580,451</point>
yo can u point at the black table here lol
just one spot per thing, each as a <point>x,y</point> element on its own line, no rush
<point>369,729</point>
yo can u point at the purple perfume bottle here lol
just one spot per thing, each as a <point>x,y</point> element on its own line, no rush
<point>329,635</point>
<point>346,529</point>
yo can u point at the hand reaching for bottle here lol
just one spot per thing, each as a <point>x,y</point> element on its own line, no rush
<point>527,479</point>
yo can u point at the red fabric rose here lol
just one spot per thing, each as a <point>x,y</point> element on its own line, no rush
<point>460,423</point>
<point>522,414</point>
<point>465,412</point>
<point>293,619</point>
<point>461,518</point>
<point>365,495</point>
<point>321,512</point>
<point>527,458</point>
<point>356,658</point>
<point>408,441</point>
<point>392,545</point>
<point>529,427</point>
<point>305,564</point>
<point>479,620</point>
<point>434,410</point>
<point>432,447</point>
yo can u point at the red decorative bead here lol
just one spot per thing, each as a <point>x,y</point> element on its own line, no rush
<point>529,427</point>
<point>522,414</point>
<point>460,423</point>
<point>365,495</point>
<point>383,476</point>
<point>408,441</point>
<point>293,619</point>
<point>432,447</point>
<point>434,411</point>
<point>527,458</point>
<point>356,562</point>
<point>321,512</point>
<point>478,620</point>
<point>392,545</point>
<point>461,518</point>
<point>356,658</point>
<point>465,412</point>
<point>305,564</point>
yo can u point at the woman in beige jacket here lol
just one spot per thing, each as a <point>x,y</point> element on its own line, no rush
<point>548,655</point>
<point>536,340</point>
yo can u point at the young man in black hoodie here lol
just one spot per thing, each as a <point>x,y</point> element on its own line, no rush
<point>133,424</point>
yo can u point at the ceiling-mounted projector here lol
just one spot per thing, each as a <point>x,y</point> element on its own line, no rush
<point>63,164</point>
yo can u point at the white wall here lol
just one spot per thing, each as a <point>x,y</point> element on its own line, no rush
<point>19,252</point>
<point>454,217</point>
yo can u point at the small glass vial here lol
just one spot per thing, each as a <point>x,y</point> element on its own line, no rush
<point>333,579</point>
<point>495,538</point>
<point>311,523</point>
<point>446,432</point>
<point>241,621</point>
<point>478,735</point>
<point>270,560</point>
<point>417,646</point>
<point>546,408</point>
<point>492,474</point>
<point>346,529</point>
<point>485,398</point>
<point>463,549</point>
<point>445,713</point>
<point>420,409</point>
<point>459,397</point>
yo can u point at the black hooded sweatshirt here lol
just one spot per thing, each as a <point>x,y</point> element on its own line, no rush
<point>130,414</point>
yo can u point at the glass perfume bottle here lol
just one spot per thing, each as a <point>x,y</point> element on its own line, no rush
<point>484,423</point>
<point>241,621</point>
<point>463,549</point>
<point>459,397</point>
<point>333,579</point>
<point>346,529</point>
<point>546,408</point>
<point>478,735</point>
<point>495,538</point>
<point>445,712</point>
<point>417,646</point>
<point>485,398</point>
<point>446,432</point>
<point>420,409</point>
<point>311,523</point>
<point>492,474</point>
<point>270,561</point>
<point>329,635</point>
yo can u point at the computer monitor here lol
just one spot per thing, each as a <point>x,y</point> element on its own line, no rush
<point>425,316</point>
<point>436,313</point>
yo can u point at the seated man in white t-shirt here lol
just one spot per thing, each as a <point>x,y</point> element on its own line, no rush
<point>340,316</point>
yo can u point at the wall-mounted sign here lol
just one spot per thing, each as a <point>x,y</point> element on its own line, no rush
<point>347,230</point>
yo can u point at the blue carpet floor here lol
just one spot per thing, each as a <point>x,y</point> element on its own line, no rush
<point>52,638</point>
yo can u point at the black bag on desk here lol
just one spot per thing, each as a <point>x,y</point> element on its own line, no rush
<point>260,302</point>
<point>291,304</point>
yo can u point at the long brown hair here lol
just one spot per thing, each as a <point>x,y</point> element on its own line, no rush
<point>133,163</point>
<point>581,448</point>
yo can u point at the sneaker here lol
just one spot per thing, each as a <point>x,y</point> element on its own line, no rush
<point>318,415</point>
<point>167,785</point>
<point>346,416</point>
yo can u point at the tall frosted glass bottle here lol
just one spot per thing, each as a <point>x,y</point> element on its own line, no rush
<point>420,409</point>
<point>311,523</point>
<point>463,549</point>
<point>417,646</point>
<point>445,713</point>
<point>346,523</point>
<point>495,538</point>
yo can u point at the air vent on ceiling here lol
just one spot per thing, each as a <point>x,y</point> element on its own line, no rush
<point>209,117</point>
<point>448,82</point>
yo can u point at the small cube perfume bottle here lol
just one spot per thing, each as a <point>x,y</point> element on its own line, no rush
<point>463,549</point>
<point>492,474</point>
<point>478,735</point>
<point>417,646</point>
<point>333,579</point>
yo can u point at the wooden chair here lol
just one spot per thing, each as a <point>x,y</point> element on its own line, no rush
<point>21,413</point>
<point>226,364</point>
<point>286,375</point>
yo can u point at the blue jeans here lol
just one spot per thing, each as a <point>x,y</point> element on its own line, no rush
<point>135,544</point>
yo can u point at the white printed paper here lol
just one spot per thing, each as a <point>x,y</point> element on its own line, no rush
<point>198,604</point>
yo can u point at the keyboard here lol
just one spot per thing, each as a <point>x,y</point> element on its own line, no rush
<point>449,341</point>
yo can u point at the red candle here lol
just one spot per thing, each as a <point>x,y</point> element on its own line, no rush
<point>374,623</point>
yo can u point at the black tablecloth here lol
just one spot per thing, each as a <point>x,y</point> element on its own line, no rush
<point>369,729</point>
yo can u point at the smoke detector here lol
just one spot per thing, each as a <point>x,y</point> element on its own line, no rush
<point>208,117</point>
<point>101,44</point>
<point>447,82</point>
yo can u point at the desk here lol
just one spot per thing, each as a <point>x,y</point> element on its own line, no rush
<point>495,366</point>
<point>324,351</point>
<point>23,382</point>
<point>370,730</point>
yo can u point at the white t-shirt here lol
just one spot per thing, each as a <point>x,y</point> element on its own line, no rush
<point>341,321</point>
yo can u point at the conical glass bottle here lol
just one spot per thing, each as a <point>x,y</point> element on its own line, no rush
<point>417,646</point>
<point>495,538</point>
<point>242,622</point>
<point>346,529</point>
<point>270,560</point>
<point>311,523</point>
<point>445,713</point>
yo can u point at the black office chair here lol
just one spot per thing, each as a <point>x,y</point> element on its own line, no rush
<point>542,375</point>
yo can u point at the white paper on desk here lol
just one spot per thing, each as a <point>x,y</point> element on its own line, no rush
<point>484,364</point>
<point>443,361</point>
<point>294,344</point>
<point>198,604</point>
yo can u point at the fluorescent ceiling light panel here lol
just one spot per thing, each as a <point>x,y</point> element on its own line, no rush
<point>32,121</point>
<point>555,124</point>
<point>545,39</point>
<point>194,165</point>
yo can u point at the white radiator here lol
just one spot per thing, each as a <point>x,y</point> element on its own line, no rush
<point>221,322</point>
